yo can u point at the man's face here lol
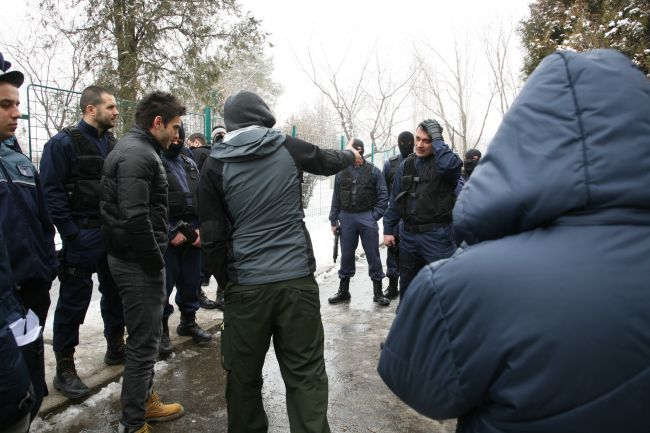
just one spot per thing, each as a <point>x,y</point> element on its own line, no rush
<point>165,134</point>
<point>9,112</point>
<point>423,145</point>
<point>106,112</point>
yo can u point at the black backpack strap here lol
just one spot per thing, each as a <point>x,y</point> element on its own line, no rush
<point>81,145</point>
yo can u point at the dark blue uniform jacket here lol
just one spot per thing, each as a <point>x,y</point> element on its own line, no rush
<point>543,324</point>
<point>24,218</point>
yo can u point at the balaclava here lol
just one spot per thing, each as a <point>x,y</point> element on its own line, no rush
<point>472,158</point>
<point>406,142</point>
<point>176,148</point>
<point>358,144</point>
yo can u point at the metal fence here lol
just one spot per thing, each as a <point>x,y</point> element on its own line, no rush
<point>49,110</point>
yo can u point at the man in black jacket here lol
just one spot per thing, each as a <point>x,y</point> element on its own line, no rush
<point>134,223</point>
<point>253,231</point>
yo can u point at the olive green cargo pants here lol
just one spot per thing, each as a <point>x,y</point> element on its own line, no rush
<point>289,312</point>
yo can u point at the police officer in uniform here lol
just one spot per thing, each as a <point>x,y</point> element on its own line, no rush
<point>183,255</point>
<point>422,199</point>
<point>405,145</point>
<point>359,201</point>
<point>71,170</point>
<point>28,259</point>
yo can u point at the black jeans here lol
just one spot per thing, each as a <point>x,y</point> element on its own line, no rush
<point>143,297</point>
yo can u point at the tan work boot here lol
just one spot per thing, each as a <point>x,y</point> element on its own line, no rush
<point>159,411</point>
<point>144,429</point>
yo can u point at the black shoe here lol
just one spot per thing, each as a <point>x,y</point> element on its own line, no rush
<point>165,344</point>
<point>67,381</point>
<point>343,295</point>
<point>206,303</point>
<point>189,327</point>
<point>115,350</point>
<point>391,291</point>
<point>220,299</point>
<point>378,296</point>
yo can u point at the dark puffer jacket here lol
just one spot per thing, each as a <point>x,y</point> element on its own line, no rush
<point>544,324</point>
<point>134,201</point>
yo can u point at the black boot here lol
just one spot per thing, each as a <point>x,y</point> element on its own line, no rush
<point>391,291</point>
<point>378,296</point>
<point>205,281</point>
<point>189,327</point>
<point>343,295</point>
<point>205,302</point>
<point>165,344</point>
<point>115,350</point>
<point>220,298</point>
<point>67,381</point>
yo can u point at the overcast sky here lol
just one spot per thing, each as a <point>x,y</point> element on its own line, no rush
<point>329,28</point>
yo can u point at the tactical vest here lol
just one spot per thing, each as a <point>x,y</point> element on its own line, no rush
<point>394,165</point>
<point>83,186</point>
<point>178,199</point>
<point>434,197</point>
<point>358,195</point>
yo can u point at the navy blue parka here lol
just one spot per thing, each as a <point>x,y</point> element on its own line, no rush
<point>543,324</point>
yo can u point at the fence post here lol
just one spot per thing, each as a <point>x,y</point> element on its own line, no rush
<point>341,142</point>
<point>293,131</point>
<point>207,121</point>
<point>372,153</point>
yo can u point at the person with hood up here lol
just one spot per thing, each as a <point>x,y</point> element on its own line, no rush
<point>183,255</point>
<point>542,324</point>
<point>405,143</point>
<point>259,249</point>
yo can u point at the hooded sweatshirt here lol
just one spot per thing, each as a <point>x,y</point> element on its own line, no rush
<point>543,324</point>
<point>250,200</point>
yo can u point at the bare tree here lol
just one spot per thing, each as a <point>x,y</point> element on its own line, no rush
<point>447,94</point>
<point>497,47</point>
<point>384,103</point>
<point>347,100</point>
<point>366,104</point>
<point>52,63</point>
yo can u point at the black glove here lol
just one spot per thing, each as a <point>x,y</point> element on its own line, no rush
<point>433,128</point>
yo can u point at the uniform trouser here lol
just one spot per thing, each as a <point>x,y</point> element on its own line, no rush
<point>354,226</point>
<point>419,249</point>
<point>391,263</point>
<point>144,297</point>
<point>75,293</point>
<point>183,270</point>
<point>288,312</point>
<point>35,295</point>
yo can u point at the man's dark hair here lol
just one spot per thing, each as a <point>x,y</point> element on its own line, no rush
<point>92,95</point>
<point>198,136</point>
<point>157,103</point>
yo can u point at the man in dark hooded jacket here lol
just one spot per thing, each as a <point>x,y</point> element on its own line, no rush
<point>253,231</point>
<point>542,324</point>
<point>405,143</point>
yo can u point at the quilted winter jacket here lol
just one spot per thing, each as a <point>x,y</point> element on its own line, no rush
<point>134,201</point>
<point>543,324</point>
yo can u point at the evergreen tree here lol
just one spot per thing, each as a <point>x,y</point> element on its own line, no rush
<point>580,25</point>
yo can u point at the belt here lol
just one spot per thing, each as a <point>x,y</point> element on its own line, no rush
<point>421,228</point>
